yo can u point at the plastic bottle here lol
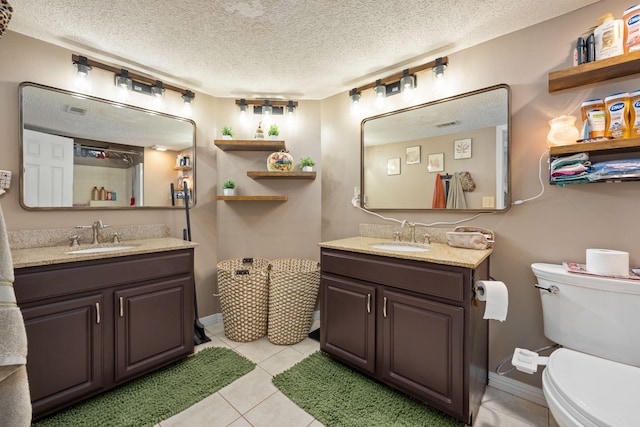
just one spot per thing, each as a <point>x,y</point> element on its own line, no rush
<point>631,19</point>
<point>103,193</point>
<point>95,194</point>
<point>617,115</point>
<point>634,116</point>
<point>609,37</point>
<point>593,113</point>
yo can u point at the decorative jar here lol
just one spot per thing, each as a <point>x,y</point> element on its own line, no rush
<point>280,161</point>
<point>563,131</point>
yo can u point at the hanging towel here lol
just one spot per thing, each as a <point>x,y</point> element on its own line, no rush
<point>439,201</point>
<point>14,387</point>
<point>455,199</point>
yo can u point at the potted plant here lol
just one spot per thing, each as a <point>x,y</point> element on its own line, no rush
<point>229,187</point>
<point>227,132</point>
<point>273,131</point>
<point>307,164</point>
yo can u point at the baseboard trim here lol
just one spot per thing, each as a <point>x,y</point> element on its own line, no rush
<point>217,318</point>
<point>517,388</point>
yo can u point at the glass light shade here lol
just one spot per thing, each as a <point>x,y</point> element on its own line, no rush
<point>123,81</point>
<point>563,131</point>
<point>267,110</point>
<point>82,69</point>
<point>406,82</point>
<point>380,90</point>
<point>355,97</point>
<point>157,90</point>
<point>188,97</point>
<point>290,108</point>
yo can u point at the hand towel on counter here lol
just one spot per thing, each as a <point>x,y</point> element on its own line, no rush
<point>456,199</point>
<point>439,200</point>
<point>14,387</point>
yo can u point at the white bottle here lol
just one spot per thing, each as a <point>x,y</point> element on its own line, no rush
<point>609,37</point>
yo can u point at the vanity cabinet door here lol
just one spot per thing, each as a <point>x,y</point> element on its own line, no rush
<point>154,325</point>
<point>347,328</point>
<point>422,343</point>
<point>65,339</point>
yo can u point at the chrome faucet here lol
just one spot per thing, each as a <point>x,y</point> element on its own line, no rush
<point>412,226</point>
<point>95,227</point>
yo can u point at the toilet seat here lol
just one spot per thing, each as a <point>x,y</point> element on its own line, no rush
<point>584,390</point>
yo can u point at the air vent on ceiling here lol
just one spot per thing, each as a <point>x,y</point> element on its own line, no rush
<point>76,110</point>
<point>445,124</point>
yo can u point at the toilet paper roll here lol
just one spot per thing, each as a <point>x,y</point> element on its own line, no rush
<point>496,296</point>
<point>607,262</point>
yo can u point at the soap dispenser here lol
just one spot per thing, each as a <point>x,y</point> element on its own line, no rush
<point>259,131</point>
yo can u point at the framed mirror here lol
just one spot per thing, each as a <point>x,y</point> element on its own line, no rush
<point>451,153</point>
<point>83,152</point>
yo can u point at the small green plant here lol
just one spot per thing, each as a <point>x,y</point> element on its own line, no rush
<point>273,130</point>
<point>307,161</point>
<point>227,131</point>
<point>229,184</point>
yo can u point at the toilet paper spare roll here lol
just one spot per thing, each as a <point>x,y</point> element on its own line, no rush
<point>496,296</point>
<point>607,262</point>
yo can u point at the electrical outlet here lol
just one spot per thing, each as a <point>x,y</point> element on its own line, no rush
<point>5,179</point>
<point>488,202</point>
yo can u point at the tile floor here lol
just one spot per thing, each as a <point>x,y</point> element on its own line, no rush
<point>254,401</point>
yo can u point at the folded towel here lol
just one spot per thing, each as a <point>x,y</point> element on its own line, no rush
<point>570,160</point>
<point>455,199</point>
<point>439,201</point>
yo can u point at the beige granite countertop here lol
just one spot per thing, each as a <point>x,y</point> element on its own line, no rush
<point>438,253</point>
<point>30,257</point>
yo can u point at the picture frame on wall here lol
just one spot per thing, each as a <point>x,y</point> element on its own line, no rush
<point>413,155</point>
<point>393,166</point>
<point>462,149</point>
<point>435,162</point>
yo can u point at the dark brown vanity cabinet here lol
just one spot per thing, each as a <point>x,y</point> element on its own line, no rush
<point>410,324</point>
<point>93,325</point>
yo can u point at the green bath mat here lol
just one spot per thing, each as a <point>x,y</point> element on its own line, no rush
<point>339,396</point>
<point>157,396</point>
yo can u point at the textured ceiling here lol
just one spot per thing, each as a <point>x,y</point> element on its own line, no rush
<point>294,49</point>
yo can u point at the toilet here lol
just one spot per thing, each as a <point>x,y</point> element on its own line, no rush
<point>594,379</point>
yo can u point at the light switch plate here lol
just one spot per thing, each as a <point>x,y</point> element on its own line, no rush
<point>5,179</point>
<point>488,202</point>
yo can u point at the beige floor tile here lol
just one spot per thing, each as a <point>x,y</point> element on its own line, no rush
<point>316,423</point>
<point>307,346</point>
<point>249,390</point>
<point>552,421</point>
<point>214,329</point>
<point>279,411</point>
<point>515,407</point>
<point>240,422</point>
<point>490,417</point>
<point>281,361</point>
<point>215,342</point>
<point>214,411</point>
<point>259,350</point>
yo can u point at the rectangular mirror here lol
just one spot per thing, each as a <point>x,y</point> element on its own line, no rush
<point>74,145</point>
<point>463,139</point>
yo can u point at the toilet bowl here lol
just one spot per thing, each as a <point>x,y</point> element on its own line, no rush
<point>594,380</point>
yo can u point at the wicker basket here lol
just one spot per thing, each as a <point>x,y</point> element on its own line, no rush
<point>244,296</point>
<point>293,291</point>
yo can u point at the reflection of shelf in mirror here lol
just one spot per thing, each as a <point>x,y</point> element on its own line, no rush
<point>596,71</point>
<point>182,168</point>
<point>253,198</point>
<point>602,147</point>
<point>281,175</point>
<point>249,145</point>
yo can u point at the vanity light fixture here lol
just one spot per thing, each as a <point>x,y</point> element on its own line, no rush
<point>124,78</point>
<point>407,82</point>
<point>380,89</point>
<point>188,96</point>
<point>402,81</point>
<point>262,106</point>
<point>159,148</point>
<point>355,96</point>
<point>82,66</point>
<point>438,69</point>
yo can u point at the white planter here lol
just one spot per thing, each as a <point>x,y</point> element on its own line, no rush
<point>307,169</point>
<point>274,137</point>
<point>229,191</point>
<point>226,136</point>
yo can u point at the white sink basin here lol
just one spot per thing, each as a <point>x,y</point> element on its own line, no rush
<point>102,249</point>
<point>400,247</point>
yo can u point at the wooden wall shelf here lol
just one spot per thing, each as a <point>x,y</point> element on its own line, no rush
<point>596,71</point>
<point>281,175</point>
<point>603,147</point>
<point>249,145</point>
<point>253,198</point>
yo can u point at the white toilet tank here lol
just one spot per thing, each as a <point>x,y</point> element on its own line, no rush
<point>594,315</point>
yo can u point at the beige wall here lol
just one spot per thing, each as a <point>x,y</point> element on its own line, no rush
<point>557,227</point>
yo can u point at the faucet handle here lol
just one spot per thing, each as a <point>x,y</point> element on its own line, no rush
<point>116,238</point>
<point>427,238</point>
<point>396,236</point>
<point>74,240</point>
